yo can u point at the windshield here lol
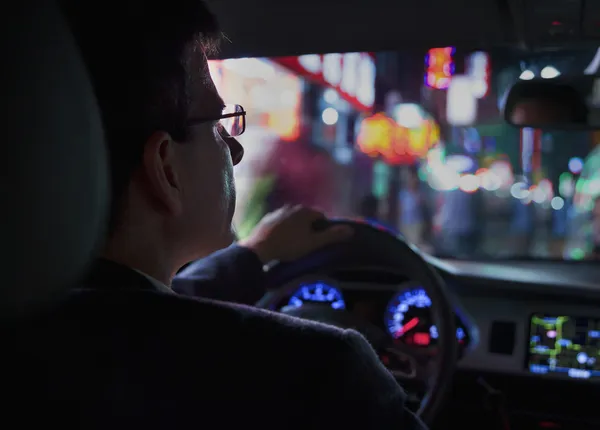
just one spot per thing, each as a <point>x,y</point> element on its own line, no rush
<point>415,142</point>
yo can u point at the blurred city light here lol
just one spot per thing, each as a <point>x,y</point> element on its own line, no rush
<point>549,72</point>
<point>575,165</point>
<point>557,203</point>
<point>461,107</point>
<point>408,115</point>
<point>527,75</point>
<point>330,116</point>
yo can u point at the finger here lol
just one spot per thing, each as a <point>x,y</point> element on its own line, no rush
<point>297,210</point>
<point>279,211</point>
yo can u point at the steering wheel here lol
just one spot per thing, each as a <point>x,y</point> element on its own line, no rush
<point>375,248</point>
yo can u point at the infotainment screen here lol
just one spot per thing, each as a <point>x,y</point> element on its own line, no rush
<point>565,345</point>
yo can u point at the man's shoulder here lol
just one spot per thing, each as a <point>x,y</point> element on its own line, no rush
<point>272,338</point>
<point>322,362</point>
<point>194,315</point>
<point>285,341</point>
<point>216,345</point>
<point>268,325</point>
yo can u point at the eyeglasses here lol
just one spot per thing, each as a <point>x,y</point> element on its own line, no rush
<point>231,123</point>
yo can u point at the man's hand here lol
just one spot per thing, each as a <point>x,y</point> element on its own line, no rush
<point>288,234</point>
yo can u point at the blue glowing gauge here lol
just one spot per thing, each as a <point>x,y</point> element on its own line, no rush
<point>317,292</point>
<point>408,319</point>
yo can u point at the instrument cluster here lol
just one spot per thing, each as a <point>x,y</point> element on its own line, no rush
<point>404,312</point>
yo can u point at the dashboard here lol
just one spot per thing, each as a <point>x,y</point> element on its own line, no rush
<point>403,311</point>
<point>529,330</point>
<point>511,318</point>
<point>535,319</point>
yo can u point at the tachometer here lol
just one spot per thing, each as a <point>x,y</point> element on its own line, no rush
<point>317,292</point>
<point>408,317</point>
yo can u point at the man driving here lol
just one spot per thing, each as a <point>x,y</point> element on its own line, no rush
<point>127,352</point>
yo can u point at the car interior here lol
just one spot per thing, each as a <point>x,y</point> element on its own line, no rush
<point>493,341</point>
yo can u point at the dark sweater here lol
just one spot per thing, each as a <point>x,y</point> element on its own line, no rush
<point>120,353</point>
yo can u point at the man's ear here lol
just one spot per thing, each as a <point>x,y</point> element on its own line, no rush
<point>160,170</point>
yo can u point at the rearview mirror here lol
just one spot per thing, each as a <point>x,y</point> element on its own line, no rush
<point>565,103</point>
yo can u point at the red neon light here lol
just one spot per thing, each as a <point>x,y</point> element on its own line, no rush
<point>352,75</point>
<point>439,67</point>
<point>549,425</point>
<point>380,135</point>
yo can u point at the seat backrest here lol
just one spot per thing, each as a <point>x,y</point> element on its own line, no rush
<point>55,170</point>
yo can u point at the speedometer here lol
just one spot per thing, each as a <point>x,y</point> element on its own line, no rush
<point>408,317</point>
<point>317,292</point>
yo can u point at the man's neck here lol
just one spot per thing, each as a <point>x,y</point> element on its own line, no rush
<point>144,256</point>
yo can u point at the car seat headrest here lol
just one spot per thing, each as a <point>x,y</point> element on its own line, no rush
<point>56,178</point>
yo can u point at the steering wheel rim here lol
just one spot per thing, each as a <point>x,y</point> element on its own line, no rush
<point>375,247</point>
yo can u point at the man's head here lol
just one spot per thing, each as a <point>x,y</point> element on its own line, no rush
<point>171,161</point>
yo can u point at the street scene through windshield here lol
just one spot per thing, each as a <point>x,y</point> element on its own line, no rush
<point>416,143</point>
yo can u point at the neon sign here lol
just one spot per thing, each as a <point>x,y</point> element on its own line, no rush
<point>478,67</point>
<point>380,135</point>
<point>352,75</point>
<point>377,136</point>
<point>439,67</point>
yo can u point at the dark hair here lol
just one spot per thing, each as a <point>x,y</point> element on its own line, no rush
<point>138,54</point>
